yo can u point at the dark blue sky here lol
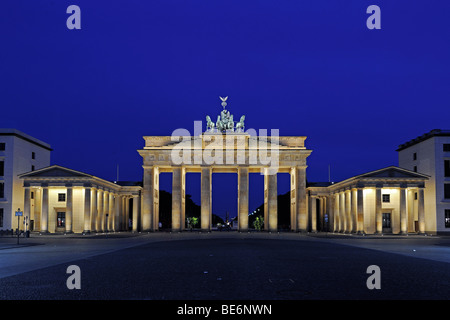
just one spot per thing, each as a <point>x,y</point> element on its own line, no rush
<point>149,67</point>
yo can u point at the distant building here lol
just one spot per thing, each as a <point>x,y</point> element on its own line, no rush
<point>430,154</point>
<point>19,153</point>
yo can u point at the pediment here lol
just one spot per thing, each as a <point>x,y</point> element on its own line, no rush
<point>55,171</point>
<point>393,172</point>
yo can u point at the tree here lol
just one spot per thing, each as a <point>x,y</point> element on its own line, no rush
<point>258,224</point>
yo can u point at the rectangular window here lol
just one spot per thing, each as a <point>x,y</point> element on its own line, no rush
<point>61,219</point>
<point>447,168</point>
<point>446,147</point>
<point>447,218</point>
<point>386,198</point>
<point>2,168</point>
<point>33,155</point>
<point>415,169</point>
<point>2,146</point>
<point>415,156</point>
<point>2,190</point>
<point>447,190</point>
<point>32,168</point>
<point>1,217</point>
<point>61,197</point>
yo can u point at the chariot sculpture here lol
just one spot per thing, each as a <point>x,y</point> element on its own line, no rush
<point>225,122</point>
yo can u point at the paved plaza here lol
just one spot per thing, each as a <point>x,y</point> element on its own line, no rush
<point>224,266</point>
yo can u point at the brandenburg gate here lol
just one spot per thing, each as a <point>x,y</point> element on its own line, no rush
<point>224,147</point>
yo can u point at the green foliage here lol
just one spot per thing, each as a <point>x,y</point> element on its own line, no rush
<point>258,224</point>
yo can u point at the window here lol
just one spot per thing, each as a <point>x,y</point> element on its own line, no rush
<point>61,197</point>
<point>415,156</point>
<point>415,195</point>
<point>415,169</point>
<point>2,168</point>
<point>1,217</point>
<point>2,190</point>
<point>386,198</point>
<point>32,195</point>
<point>60,219</point>
<point>446,147</point>
<point>447,190</point>
<point>32,168</point>
<point>2,146</point>
<point>33,155</point>
<point>447,218</point>
<point>447,168</point>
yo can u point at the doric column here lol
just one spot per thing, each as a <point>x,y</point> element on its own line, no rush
<point>410,218</point>
<point>403,215</point>
<point>147,197</point>
<point>330,206</point>
<point>378,211</point>
<point>111,212</point>
<point>100,212</point>
<point>313,203</point>
<point>293,197</point>
<point>206,199</point>
<point>270,202</point>
<point>105,219</point>
<point>348,207</point>
<point>342,212</point>
<point>360,209</point>
<point>117,203</point>
<point>421,211</point>
<point>44,215</point>
<point>183,199</point>
<point>243,198</point>
<point>353,210</point>
<point>69,208</point>
<point>94,209</point>
<point>26,205</point>
<point>337,215</point>
<point>37,208</point>
<point>135,213</point>
<point>176,199</point>
<point>302,213</point>
<point>87,210</point>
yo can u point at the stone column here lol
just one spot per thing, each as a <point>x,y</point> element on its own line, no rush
<point>176,199</point>
<point>360,210</point>
<point>353,210</point>
<point>378,211</point>
<point>403,216</point>
<point>94,209</point>
<point>302,213</point>
<point>293,197</point>
<point>348,208</point>
<point>111,212</point>
<point>243,198</point>
<point>105,219</point>
<point>100,212</point>
<point>342,212</point>
<point>421,211</point>
<point>87,210</point>
<point>135,213</point>
<point>26,207</point>
<point>183,199</point>
<point>37,208</point>
<point>117,203</point>
<point>69,209</point>
<point>330,206</point>
<point>410,210</point>
<point>313,214</point>
<point>271,205</point>
<point>337,215</point>
<point>44,216</point>
<point>147,197</point>
<point>206,199</point>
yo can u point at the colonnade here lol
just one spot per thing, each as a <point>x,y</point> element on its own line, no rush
<point>150,206</point>
<point>100,209</point>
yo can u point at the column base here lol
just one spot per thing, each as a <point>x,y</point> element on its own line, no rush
<point>85,232</point>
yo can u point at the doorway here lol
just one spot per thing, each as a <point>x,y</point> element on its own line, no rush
<point>386,223</point>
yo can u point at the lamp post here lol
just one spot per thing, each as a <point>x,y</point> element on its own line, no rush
<point>18,214</point>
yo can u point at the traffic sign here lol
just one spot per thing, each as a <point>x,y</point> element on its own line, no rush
<point>19,213</point>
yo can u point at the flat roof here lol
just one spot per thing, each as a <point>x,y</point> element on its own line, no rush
<point>24,136</point>
<point>428,135</point>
